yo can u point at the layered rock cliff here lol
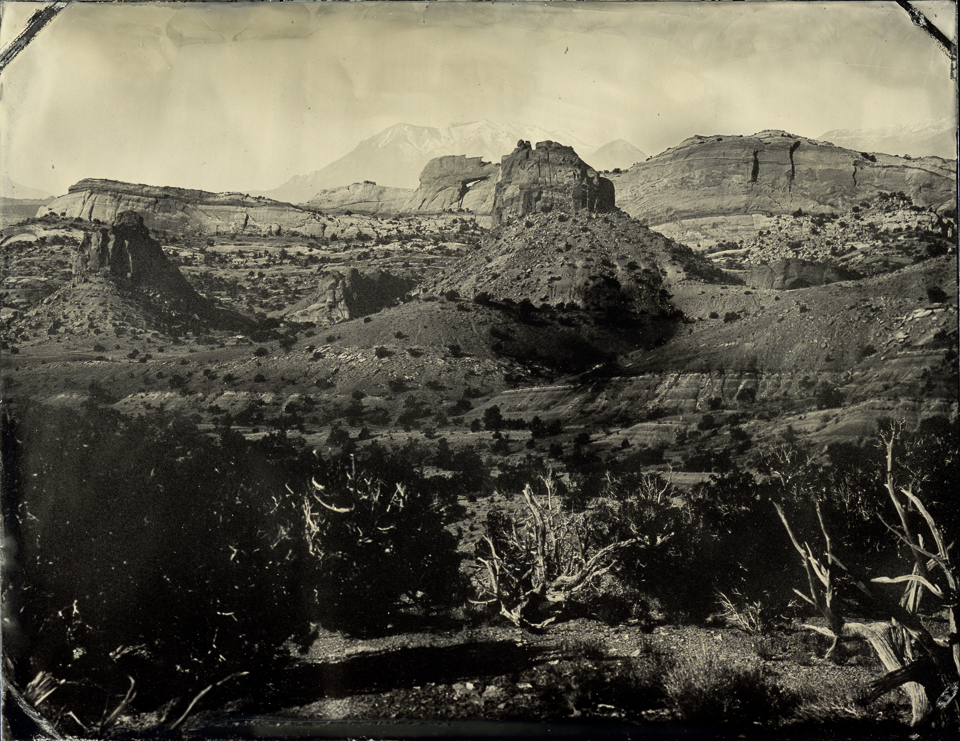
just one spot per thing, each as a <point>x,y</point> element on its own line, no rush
<point>361,198</point>
<point>183,210</point>
<point>790,274</point>
<point>705,181</point>
<point>550,176</point>
<point>349,295</point>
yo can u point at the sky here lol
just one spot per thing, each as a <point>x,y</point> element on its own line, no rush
<point>235,97</point>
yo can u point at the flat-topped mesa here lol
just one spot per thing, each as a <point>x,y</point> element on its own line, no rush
<point>707,179</point>
<point>182,210</point>
<point>550,176</point>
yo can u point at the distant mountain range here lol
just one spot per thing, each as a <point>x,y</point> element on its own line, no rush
<point>617,154</point>
<point>396,156</point>
<point>935,137</point>
<point>10,189</point>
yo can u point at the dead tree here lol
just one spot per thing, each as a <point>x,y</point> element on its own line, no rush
<point>928,669</point>
<point>533,563</point>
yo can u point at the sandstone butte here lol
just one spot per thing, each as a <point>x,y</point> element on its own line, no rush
<point>128,254</point>
<point>772,173</point>
<point>706,185</point>
<point>550,176</point>
<point>123,267</point>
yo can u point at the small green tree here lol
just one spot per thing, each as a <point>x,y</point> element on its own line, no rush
<point>492,418</point>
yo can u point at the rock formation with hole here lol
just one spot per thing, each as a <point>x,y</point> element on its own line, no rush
<point>454,183</point>
<point>447,184</point>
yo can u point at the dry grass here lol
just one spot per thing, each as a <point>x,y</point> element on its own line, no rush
<point>705,686</point>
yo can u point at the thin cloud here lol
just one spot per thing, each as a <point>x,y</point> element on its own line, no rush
<point>243,96</point>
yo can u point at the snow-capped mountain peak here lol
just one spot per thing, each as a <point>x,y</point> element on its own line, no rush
<point>396,156</point>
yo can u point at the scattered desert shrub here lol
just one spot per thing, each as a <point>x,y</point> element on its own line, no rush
<point>752,616</point>
<point>376,545</point>
<point>338,437</point>
<point>917,476</point>
<point>159,560</point>
<point>706,688</point>
<point>936,295</point>
<point>149,552</point>
<point>529,565</point>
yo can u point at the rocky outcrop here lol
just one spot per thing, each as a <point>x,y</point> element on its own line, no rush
<point>182,210</point>
<point>454,183</point>
<point>447,184</point>
<point>351,294</point>
<point>361,198</point>
<point>609,264</point>
<point>127,253</point>
<point>771,173</point>
<point>787,275</point>
<point>546,178</point>
<point>122,279</point>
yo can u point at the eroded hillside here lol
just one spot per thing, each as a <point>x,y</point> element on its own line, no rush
<point>569,310</point>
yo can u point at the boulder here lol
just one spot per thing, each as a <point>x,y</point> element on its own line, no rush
<point>548,177</point>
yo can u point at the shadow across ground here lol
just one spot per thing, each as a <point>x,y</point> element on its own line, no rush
<point>395,668</point>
